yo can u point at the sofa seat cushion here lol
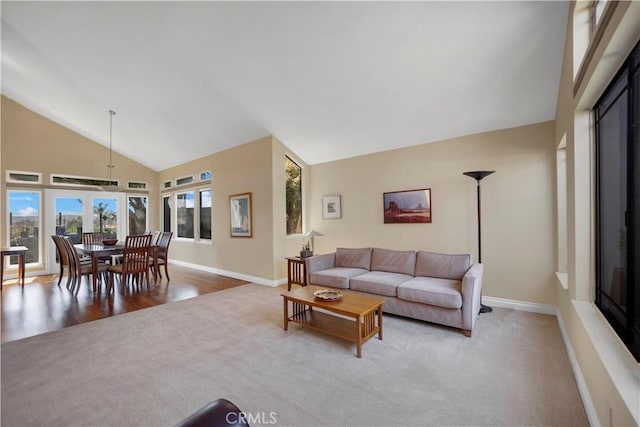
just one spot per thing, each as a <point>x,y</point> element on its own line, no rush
<point>378,282</point>
<point>433,291</point>
<point>337,277</point>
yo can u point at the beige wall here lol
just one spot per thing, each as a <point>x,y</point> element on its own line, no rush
<point>33,143</point>
<point>256,167</point>
<point>517,205</point>
<point>243,169</point>
<point>610,374</point>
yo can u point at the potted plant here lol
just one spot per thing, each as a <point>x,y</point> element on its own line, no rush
<point>306,252</point>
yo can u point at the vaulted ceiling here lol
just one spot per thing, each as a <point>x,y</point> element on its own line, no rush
<point>331,80</point>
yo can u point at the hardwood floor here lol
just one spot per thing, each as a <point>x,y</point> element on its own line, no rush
<point>43,306</point>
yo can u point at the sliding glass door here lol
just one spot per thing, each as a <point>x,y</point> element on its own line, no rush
<point>72,212</point>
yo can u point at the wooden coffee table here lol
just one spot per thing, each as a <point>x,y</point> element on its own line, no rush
<point>352,318</point>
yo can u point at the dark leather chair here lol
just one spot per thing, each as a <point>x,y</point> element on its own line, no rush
<point>219,413</point>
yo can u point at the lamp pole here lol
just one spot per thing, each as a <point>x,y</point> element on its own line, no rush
<point>478,176</point>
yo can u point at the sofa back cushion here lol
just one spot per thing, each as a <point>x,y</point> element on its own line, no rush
<point>442,266</point>
<point>353,258</point>
<point>393,261</point>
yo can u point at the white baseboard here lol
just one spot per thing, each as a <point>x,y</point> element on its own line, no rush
<point>575,367</point>
<point>519,305</point>
<point>240,276</point>
<point>589,407</point>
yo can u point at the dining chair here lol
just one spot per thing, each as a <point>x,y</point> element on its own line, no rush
<point>135,261</point>
<point>156,238</point>
<point>78,268</point>
<point>92,238</point>
<point>162,253</point>
<point>63,258</point>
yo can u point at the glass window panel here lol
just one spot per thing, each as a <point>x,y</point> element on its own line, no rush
<point>24,177</point>
<point>69,217</point>
<point>105,219</point>
<point>137,185</point>
<point>166,214</point>
<point>293,177</point>
<point>205,175</point>
<point>184,180</point>
<point>24,224</point>
<point>137,215</point>
<point>205,214</point>
<point>185,214</point>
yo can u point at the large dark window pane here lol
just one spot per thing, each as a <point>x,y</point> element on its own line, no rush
<point>617,133</point>
<point>634,238</point>
<point>612,207</point>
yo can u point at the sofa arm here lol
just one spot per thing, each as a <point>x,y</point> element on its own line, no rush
<point>471,295</point>
<point>319,262</point>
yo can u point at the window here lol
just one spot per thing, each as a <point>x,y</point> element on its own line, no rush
<point>24,177</point>
<point>25,224</point>
<point>105,217</point>
<point>81,181</point>
<point>205,214</point>
<point>617,134</point>
<point>185,180</point>
<point>184,214</point>
<point>137,215</point>
<point>205,176</point>
<point>137,185</point>
<point>596,13</point>
<point>166,214</point>
<point>166,184</point>
<point>293,177</point>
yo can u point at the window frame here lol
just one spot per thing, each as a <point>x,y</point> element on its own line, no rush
<point>603,298</point>
<point>40,259</point>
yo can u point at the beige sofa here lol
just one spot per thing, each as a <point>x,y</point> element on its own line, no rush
<point>439,288</point>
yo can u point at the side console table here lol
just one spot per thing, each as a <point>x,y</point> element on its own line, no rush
<point>296,273</point>
<point>20,251</point>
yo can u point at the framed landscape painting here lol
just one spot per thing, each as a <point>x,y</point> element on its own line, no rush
<point>407,207</point>
<point>241,221</point>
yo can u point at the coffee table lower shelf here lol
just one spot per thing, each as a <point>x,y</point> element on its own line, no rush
<point>357,327</point>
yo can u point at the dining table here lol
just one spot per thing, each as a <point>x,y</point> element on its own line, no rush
<point>95,251</point>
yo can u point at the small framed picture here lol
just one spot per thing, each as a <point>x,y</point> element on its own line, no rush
<point>241,218</point>
<point>331,207</point>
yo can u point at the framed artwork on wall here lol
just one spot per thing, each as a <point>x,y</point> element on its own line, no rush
<point>241,218</point>
<point>331,208</point>
<point>407,207</point>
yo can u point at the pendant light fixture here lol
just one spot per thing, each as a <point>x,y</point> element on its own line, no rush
<point>110,186</point>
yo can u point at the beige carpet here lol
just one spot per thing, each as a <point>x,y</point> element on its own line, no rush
<point>156,366</point>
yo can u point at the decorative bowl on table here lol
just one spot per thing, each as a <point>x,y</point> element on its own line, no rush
<point>327,295</point>
<point>109,242</point>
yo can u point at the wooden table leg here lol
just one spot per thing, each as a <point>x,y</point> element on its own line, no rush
<point>380,323</point>
<point>94,269</point>
<point>286,314</point>
<point>21,268</point>
<point>359,336</point>
<point>154,250</point>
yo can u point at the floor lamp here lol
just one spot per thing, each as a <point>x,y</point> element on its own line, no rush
<point>478,176</point>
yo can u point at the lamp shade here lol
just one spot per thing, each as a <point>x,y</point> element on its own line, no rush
<point>313,233</point>
<point>478,175</point>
